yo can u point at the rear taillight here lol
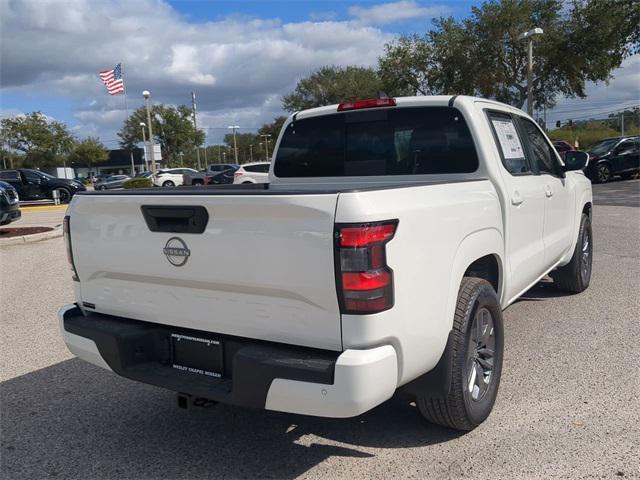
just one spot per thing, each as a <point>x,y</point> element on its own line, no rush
<point>365,282</point>
<point>66,230</point>
<point>237,174</point>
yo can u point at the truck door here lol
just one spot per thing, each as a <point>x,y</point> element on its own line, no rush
<point>524,205</point>
<point>558,193</point>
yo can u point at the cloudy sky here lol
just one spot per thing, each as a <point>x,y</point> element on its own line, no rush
<point>239,57</point>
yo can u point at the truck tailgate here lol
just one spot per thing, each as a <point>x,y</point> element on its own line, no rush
<point>263,268</point>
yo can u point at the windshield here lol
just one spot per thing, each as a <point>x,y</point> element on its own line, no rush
<point>393,141</point>
<point>603,147</point>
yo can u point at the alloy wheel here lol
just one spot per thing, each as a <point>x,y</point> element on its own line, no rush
<point>604,174</point>
<point>585,257</point>
<point>480,355</point>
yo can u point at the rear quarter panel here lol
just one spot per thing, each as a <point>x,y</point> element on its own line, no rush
<point>442,229</point>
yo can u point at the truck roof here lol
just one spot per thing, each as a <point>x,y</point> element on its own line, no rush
<point>415,101</point>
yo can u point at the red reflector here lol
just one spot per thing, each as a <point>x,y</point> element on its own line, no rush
<point>363,236</point>
<point>365,280</point>
<point>366,306</point>
<point>371,103</point>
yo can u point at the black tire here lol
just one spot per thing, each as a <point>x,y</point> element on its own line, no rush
<point>459,409</point>
<point>102,187</point>
<point>168,183</point>
<point>603,173</point>
<point>247,183</point>
<point>198,183</point>
<point>64,194</point>
<point>576,275</point>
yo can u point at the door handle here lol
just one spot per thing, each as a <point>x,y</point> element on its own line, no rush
<point>516,198</point>
<point>547,191</point>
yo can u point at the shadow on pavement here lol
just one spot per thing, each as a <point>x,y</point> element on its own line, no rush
<point>542,291</point>
<point>74,420</point>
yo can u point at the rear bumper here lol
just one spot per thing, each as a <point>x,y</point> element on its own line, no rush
<point>256,374</point>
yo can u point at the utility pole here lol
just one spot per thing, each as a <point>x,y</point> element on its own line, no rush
<point>195,125</point>
<point>529,37</point>
<point>266,145</point>
<point>144,144</point>
<point>251,152</point>
<point>622,124</point>
<point>146,94</point>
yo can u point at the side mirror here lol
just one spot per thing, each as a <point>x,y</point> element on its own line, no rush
<point>575,160</point>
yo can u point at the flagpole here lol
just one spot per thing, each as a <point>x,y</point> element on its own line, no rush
<point>126,108</point>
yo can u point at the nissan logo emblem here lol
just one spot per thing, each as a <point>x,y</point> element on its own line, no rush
<point>176,251</point>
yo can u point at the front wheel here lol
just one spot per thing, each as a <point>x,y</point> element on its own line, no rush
<point>63,194</point>
<point>476,360</point>
<point>603,173</point>
<point>168,183</point>
<point>576,275</point>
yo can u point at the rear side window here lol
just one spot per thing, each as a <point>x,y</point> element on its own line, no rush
<point>257,168</point>
<point>510,144</point>
<point>393,141</point>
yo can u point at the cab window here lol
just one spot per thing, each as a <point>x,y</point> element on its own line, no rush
<point>541,151</point>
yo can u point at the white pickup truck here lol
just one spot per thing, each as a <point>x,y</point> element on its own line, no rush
<point>391,236</point>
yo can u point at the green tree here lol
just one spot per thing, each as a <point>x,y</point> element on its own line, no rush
<point>172,129</point>
<point>333,84</point>
<point>88,152</point>
<point>42,142</point>
<point>583,40</point>
<point>273,128</point>
<point>247,146</point>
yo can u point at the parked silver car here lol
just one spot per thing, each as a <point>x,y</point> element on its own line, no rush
<point>114,181</point>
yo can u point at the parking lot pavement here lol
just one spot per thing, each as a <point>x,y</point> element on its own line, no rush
<point>41,216</point>
<point>568,405</point>
<point>621,193</point>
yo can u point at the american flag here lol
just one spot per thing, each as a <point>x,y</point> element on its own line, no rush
<point>113,80</point>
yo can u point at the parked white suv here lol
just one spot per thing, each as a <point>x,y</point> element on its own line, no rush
<point>392,234</point>
<point>171,177</point>
<point>257,172</point>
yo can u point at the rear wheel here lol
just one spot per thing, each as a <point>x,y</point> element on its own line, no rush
<point>476,359</point>
<point>198,183</point>
<point>603,173</point>
<point>576,275</point>
<point>168,183</point>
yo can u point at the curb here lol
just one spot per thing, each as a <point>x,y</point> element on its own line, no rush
<point>42,208</point>
<point>35,237</point>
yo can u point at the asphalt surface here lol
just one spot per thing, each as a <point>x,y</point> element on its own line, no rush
<point>568,406</point>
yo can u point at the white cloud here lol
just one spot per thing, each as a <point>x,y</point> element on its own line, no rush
<point>237,65</point>
<point>395,12</point>
<point>623,91</point>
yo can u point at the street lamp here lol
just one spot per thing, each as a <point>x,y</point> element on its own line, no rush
<point>146,94</point>
<point>144,143</point>
<point>235,146</point>
<point>266,145</point>
<point>529,36</point>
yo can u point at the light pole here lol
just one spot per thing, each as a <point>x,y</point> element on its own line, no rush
<point>251,152</point>
<point>235,146</point>
<point>146,94</point>
<point>144,143</point>
<point>529,36</point>
<point>266,145</point>
<point>195,126</point>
